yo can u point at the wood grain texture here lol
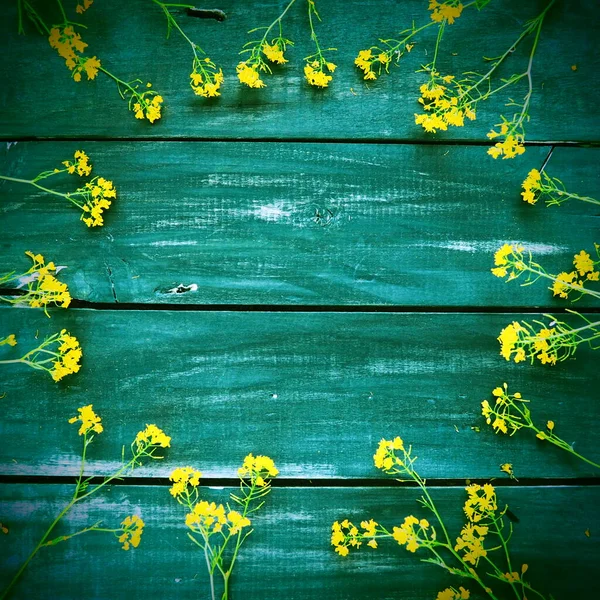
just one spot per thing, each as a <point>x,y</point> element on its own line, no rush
<point>263,223</point>
<point>39,99</point>
<point>315,391</point>
<point>288,553</point>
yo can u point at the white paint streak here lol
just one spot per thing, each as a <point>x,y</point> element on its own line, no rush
<point>272,212</point>
<point>491,246</point>
<point>163,243</point>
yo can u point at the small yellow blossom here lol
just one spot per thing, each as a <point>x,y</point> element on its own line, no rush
<point>237,522</point>
<point>90,421</point>
<point>274,52</point>
<point>314,73</point>
<point>80,165</point>
<point>452,594</point>
<point>81,8</point>
<point>208,517</point>
<point>11,340</point>
<point>259,469</point>
<point>449,10</point>
<point>248,74</point>
<point>182,477</point>
<point>68,358</point>
<point>97,196</point>
<point>152,436</point>
<point>133,527</point>
<point>530,186</point>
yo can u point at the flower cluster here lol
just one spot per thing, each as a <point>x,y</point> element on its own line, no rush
<point>81,8</point>
<point>459,556</point>
<point>373,61</point>
<point>549,343</point>
<point>444,106</point>
<point>132,529</point>
<point>512,144</point>
<point>89,420</point>
<point>259,469</point>
<point>182,478</point>
<point>69,45</point>
<point>510,261</point>
<point>509,413</point>
<point>43,288</point>
<point>150,438</point>
<point>316,72</point>
<point>10,340</point>
<point>146,105</point>
<point>206,79</point>
<point>58,355</point>
<point>214,525</point>
<point>448,11</point>
<point>80,164</point>
<point>346,535</point>
<point>93,199</point>
<point>540,185</point>
<point>454,594</point>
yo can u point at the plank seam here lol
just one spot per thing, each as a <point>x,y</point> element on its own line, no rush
<point>314,482</point>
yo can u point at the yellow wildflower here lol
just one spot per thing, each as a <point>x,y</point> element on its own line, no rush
<point>258,468</point>
<point>384,457</point>
<point>81,8</point>
<point>152,436</point>
<point>508,469</point>
<point>11,340</point>
<point>80,165</point>
<point>406,535</point>
<point>512,146</point>
<point>68,358</point>
<point>448,11</point>
<point>238,522</point>
<point>274,53</point>
<point>583,263</point>
<point>97,195</point>
<point>560,285</point>
<point>43,287</point>
<point>90,421</point>
<point>453,594</point>
<point>133,527</point>
<point>248,75</point>
<point>182,477</point>
<point>315,73</point>
<point>531,185</point>
<point>207,516</point>
<point>550,425</point>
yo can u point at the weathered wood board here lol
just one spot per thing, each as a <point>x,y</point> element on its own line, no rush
<point>311,389</point>
<point>251,223</point>
<point>561,107</point>
<point>289,549</point>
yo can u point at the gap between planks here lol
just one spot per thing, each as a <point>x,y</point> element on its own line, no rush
<point>316,482</point>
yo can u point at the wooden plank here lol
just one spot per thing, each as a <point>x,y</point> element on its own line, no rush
<point>289,553</point>
<point>316,391</point>
<point>403,225</point>
<point>562,103</point>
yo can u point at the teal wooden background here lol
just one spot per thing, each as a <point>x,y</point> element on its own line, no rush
<point>306,339</point>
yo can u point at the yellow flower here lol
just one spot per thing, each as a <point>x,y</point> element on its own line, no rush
<point>133,527</point>
<point>90,421</point>
<point>69,356</point>
<point>508,469</point>
<point>583,263</point>
<point>238,522</point>
<point>550,425</point>
<point>43,287</point>
<point>448,11</point>
<point>316,76</point>
<point>152,436</point>
<point>11,340</point>
<point>258,468</point>
<point>560,287</point>
<point>512,146</point>
<point>406,535</point>
<point>182,477</point>
<point>248,75</point>
<point>80,165</point>
<point>530,186</point>
<point>81,8</point>
<point>97,195</point>
<point>207,516</point>
<point>452,594</point>
<point>274,53</point>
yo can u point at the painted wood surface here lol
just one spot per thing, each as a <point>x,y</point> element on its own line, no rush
<point>289,549</point>
<point>315,390</point>
<point>39,99</point>
<point>251,223</point>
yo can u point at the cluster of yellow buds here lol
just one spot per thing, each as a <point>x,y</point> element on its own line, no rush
<point>132,529</point>
<point>146,105</point>
<point>512,145</point>
<point>70,354</point>
<point>69,45</point>
<point>448,11</point>
<point>259,469</point>
<point>96,196</point>
<point>315,72</point>
<point>372,63</point>
<point>444,106</point>
<point>205,79</point>
<point>80,165</point>
<point>89,420</point>
<point>183,477</point>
